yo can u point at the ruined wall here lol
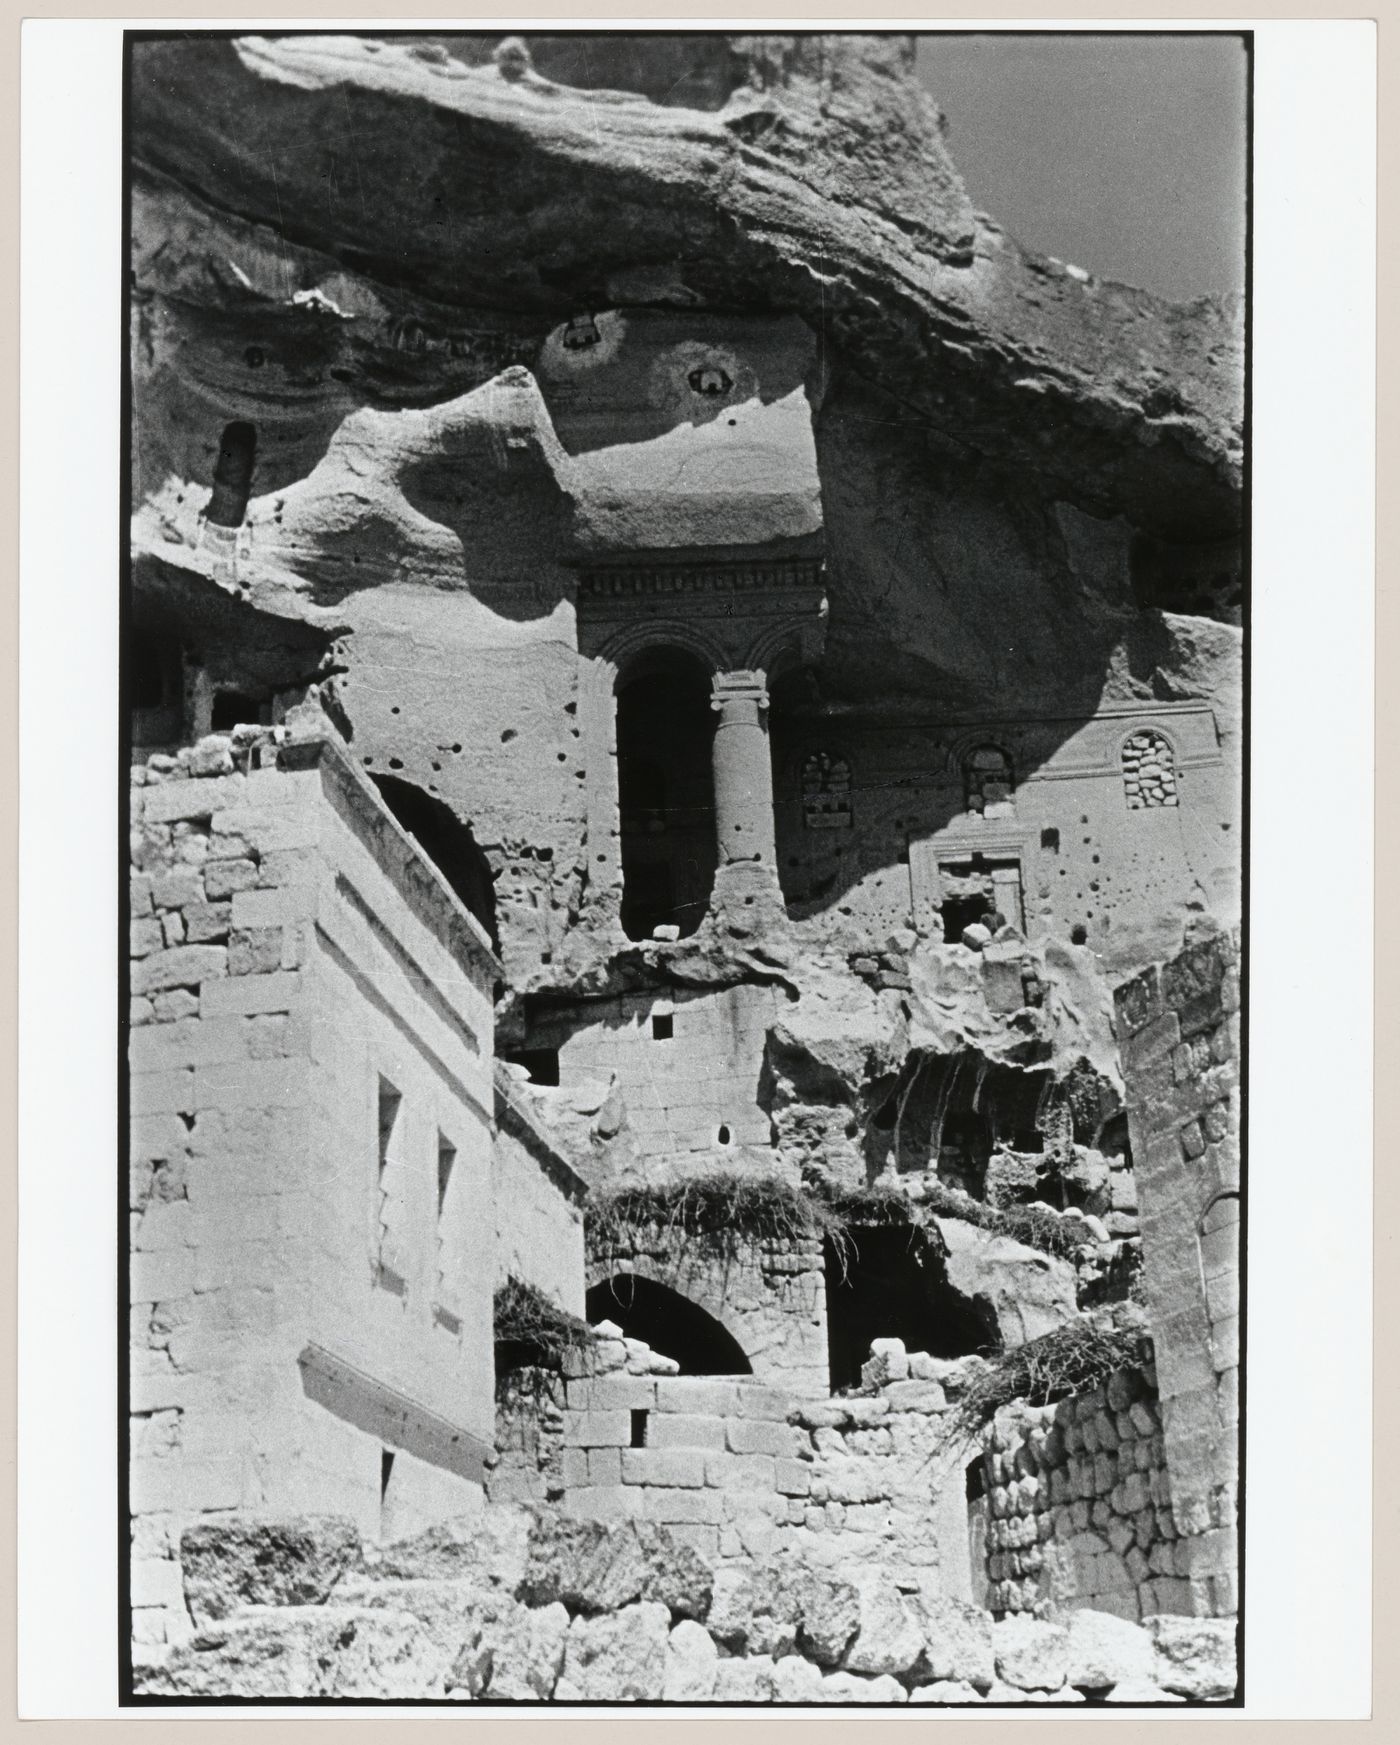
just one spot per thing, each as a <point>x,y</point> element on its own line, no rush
<point>310,1081</point>
<point>1080,1506</point>
<point>1077,847</point>
<point>1179,1024</point>
<point>689,1060</point>
<point>538,1200</point>
<point>769,1294</point>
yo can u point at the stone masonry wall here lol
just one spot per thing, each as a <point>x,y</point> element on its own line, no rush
<point>1179,1031</point>
<point>312,1220</point>
<point>1080,1506</point>
<point>742,1471</point>
<point>770,1294</point>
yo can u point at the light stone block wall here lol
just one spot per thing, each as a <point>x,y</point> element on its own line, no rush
<point>1179,1031</point>
<point>539,1205</point>
<point>301,1300</point>
<point>1081,1506</point>
<point>747,1472</point>
<point>680,1091</point>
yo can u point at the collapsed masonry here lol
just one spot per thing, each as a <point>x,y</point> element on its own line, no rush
<point>652,753</point>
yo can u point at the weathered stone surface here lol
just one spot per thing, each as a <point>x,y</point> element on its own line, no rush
<point>691,1660</point>
<point>1142,1692</point>
<point>595,1566</point>
<point>299,1651</point>
<point>845,1687</point>
<point>744,1680</point>
<point>526,1646</point>
<point>945,1691</point>
<point>292,1562</point>
<point>1195,1656</point>
<point>887,235</point>
<point>1106,1650</point>
<point>1030,1655</point>
<point>796,1680</point>
<point>889,1638</point>
<point>616,1657</point>
<point>1030,1293</point>
<point>829,1610</point>
<point>492,1547</point>
<point>957,1642</point>
<point>756,1610</point>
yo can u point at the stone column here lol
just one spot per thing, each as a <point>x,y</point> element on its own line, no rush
<point>747,899</point>
<point>743,771</point>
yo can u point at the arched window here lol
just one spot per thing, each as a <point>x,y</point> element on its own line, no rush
<point>826,792</point>
<point>989,782</point>
<point>449,844</point>
<point>666,795</point>
<point>1149,770</point>
<point>233,475</point>
<point>669,1323</point>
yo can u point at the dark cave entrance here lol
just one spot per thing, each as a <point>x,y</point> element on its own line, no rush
<point>669,1323</point>
<point>666,796</point>
<point>449,844</point>
<point>889,1282</point>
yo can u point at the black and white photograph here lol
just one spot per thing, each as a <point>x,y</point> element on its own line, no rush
<point>685,630</point>
<point>685,720</point>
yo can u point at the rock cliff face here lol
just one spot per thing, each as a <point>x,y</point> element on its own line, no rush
<point>447,351</point>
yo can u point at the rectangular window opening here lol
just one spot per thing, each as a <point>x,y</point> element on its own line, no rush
<point>386,1471</point>
<point>663,1026</point>
<point>639,1427</point>
<point>389,1104</point>
<point>542,1064</point>
<point>447,1156</point>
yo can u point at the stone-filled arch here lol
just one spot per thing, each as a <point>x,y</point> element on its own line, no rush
<point>669,1323</point>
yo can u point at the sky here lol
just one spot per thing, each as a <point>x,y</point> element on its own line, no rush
<point>1124,155</point>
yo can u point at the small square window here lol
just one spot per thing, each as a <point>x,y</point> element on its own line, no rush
<point>663,1026</point>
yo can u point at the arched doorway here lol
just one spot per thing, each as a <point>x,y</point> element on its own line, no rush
<point>669,1323</point>
<point>665,776</point>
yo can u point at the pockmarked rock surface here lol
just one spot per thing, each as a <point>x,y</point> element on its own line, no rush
<point>230,1565</point>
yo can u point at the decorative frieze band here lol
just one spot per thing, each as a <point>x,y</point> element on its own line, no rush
<point>631,581</point>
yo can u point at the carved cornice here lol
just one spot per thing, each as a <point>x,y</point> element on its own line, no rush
<point>611,585</point>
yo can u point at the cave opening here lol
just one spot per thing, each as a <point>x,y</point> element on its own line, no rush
<point>449,844</point>
<point>665,776</point>
<point>889,1282</point>
<point>669,1323</point>
<point>233,475</point>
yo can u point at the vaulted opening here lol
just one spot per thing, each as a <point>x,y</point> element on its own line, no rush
<point>449,844</point>
<point>669,1323</point>
<point>665,732</point>
<point>889,1282</point>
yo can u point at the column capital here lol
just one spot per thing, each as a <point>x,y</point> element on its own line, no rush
<point>740,685</point>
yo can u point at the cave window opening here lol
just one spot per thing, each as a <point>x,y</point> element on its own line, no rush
<point>989,782</point>
<point>665,735</point>
<point>233,475</point>
<point>959,913</point>
<point>542,1064</point>
<point>723,1136</point>
<point>237,709</point>
<point>448,843</point>
<point>889,1282</point>
<point>639,1427</point>
<point>669,1323</point>
<point>157,688</point>
<point>1113,1139</point>
<point>826,792</point>
<point>663,1026</point>
<point>1149,770</point>
<point>964,1150</point>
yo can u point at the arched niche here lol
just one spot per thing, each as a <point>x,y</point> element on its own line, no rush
<point>669,1323</point>
<point>666,795</point>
